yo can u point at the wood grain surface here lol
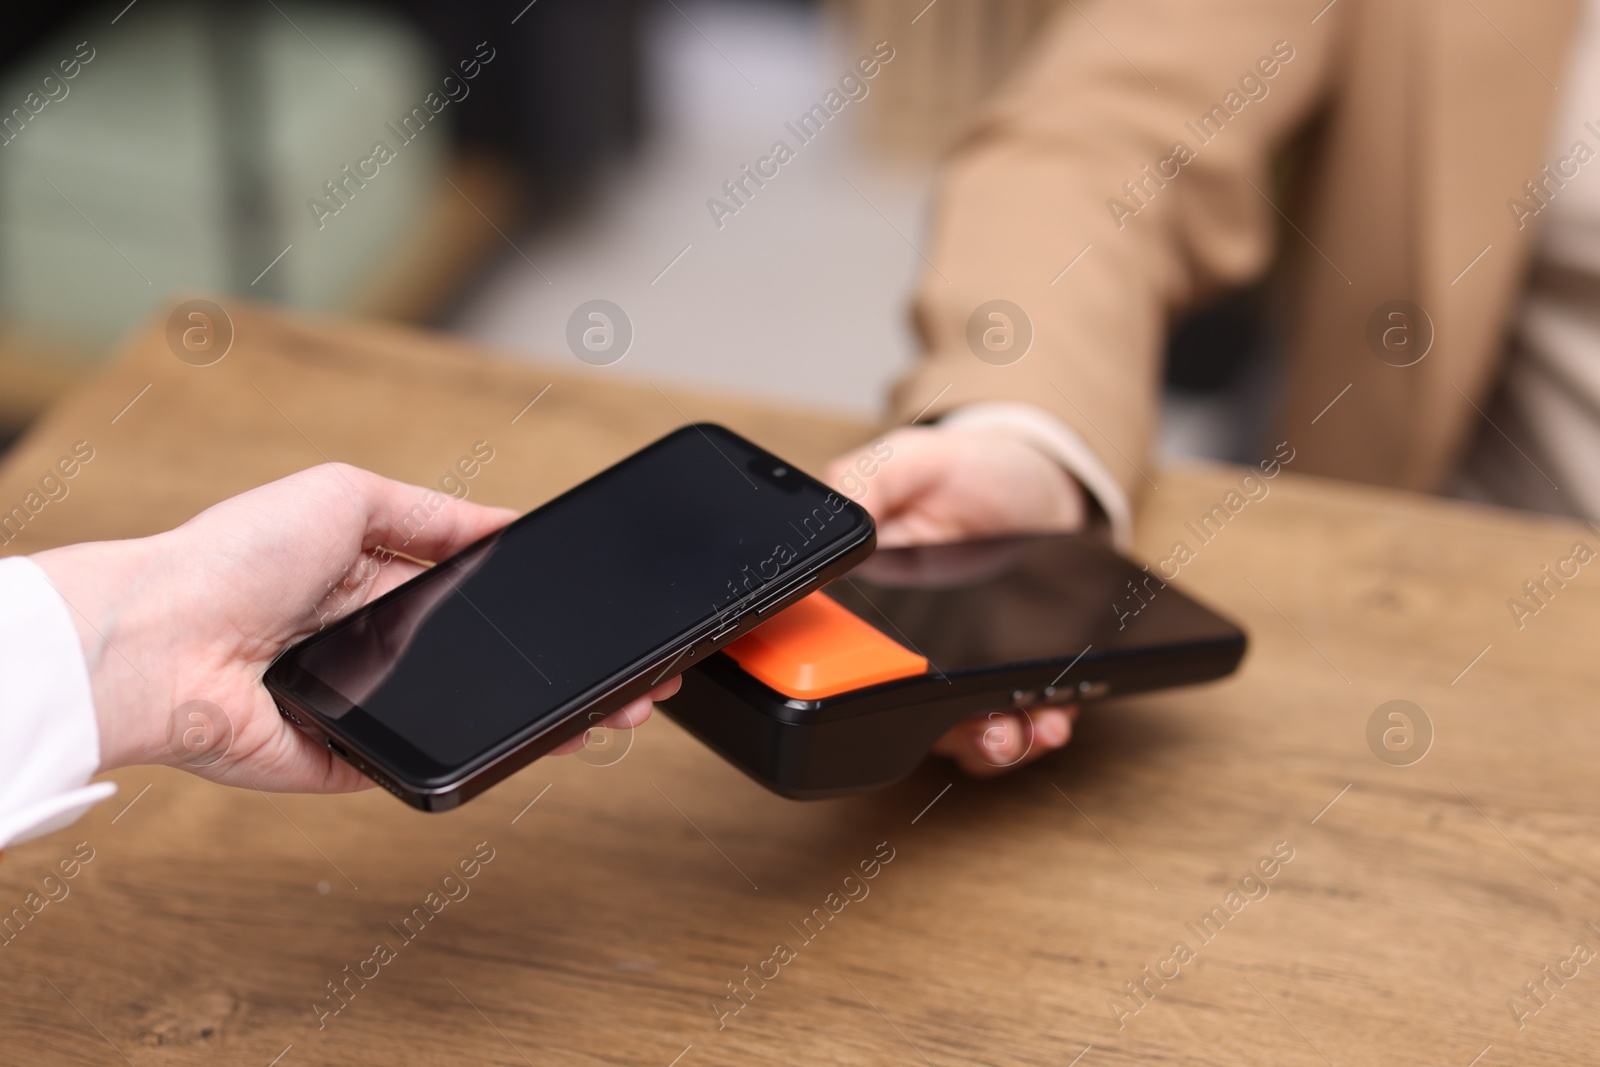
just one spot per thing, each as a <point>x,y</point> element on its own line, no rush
<point>1405,909</point>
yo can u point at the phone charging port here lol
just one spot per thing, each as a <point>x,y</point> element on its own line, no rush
<point>336,748</point>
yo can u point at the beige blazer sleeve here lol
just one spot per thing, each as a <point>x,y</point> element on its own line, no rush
<point>1121,177</point>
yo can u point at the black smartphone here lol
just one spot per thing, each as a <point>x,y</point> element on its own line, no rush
<point>486,661</point>
<point>936,634</point>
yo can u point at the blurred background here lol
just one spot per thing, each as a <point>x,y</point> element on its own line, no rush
<point>535,156</point>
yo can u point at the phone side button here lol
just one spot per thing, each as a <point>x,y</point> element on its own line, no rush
<point>1094,690</point>
<point>772,599</point>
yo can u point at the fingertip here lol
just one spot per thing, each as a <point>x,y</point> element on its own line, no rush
<point>999,738</point>
<point>338,775</point>
<point>359,783</point>
<point>635,714</point>
<point>1052,728</point>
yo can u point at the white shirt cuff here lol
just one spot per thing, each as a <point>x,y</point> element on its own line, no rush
<point>49,737</point>
<point>1060,442</point>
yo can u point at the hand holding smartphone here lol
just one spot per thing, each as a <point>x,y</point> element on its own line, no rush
<point>470,671</point>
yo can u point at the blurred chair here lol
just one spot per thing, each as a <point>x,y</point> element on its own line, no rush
<point>187,157</point>
<point>189,153</point>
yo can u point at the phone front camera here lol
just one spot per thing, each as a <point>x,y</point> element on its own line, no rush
<point>769,470</point>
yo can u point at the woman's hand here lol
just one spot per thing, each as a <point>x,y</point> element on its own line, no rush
<point>998,741</point>
<point>928,484</point>
<point>176,626</point>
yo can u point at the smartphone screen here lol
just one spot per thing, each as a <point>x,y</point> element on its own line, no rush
<point>527,625</point>
<point>981,606</point>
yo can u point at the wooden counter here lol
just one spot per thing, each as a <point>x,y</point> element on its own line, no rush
<point>621,900</point>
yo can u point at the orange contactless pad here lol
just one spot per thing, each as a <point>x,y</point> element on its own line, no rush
<point>816,648</point>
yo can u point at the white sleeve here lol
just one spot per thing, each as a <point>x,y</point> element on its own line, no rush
<point>1060,442</point>
<point>49,737</point>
